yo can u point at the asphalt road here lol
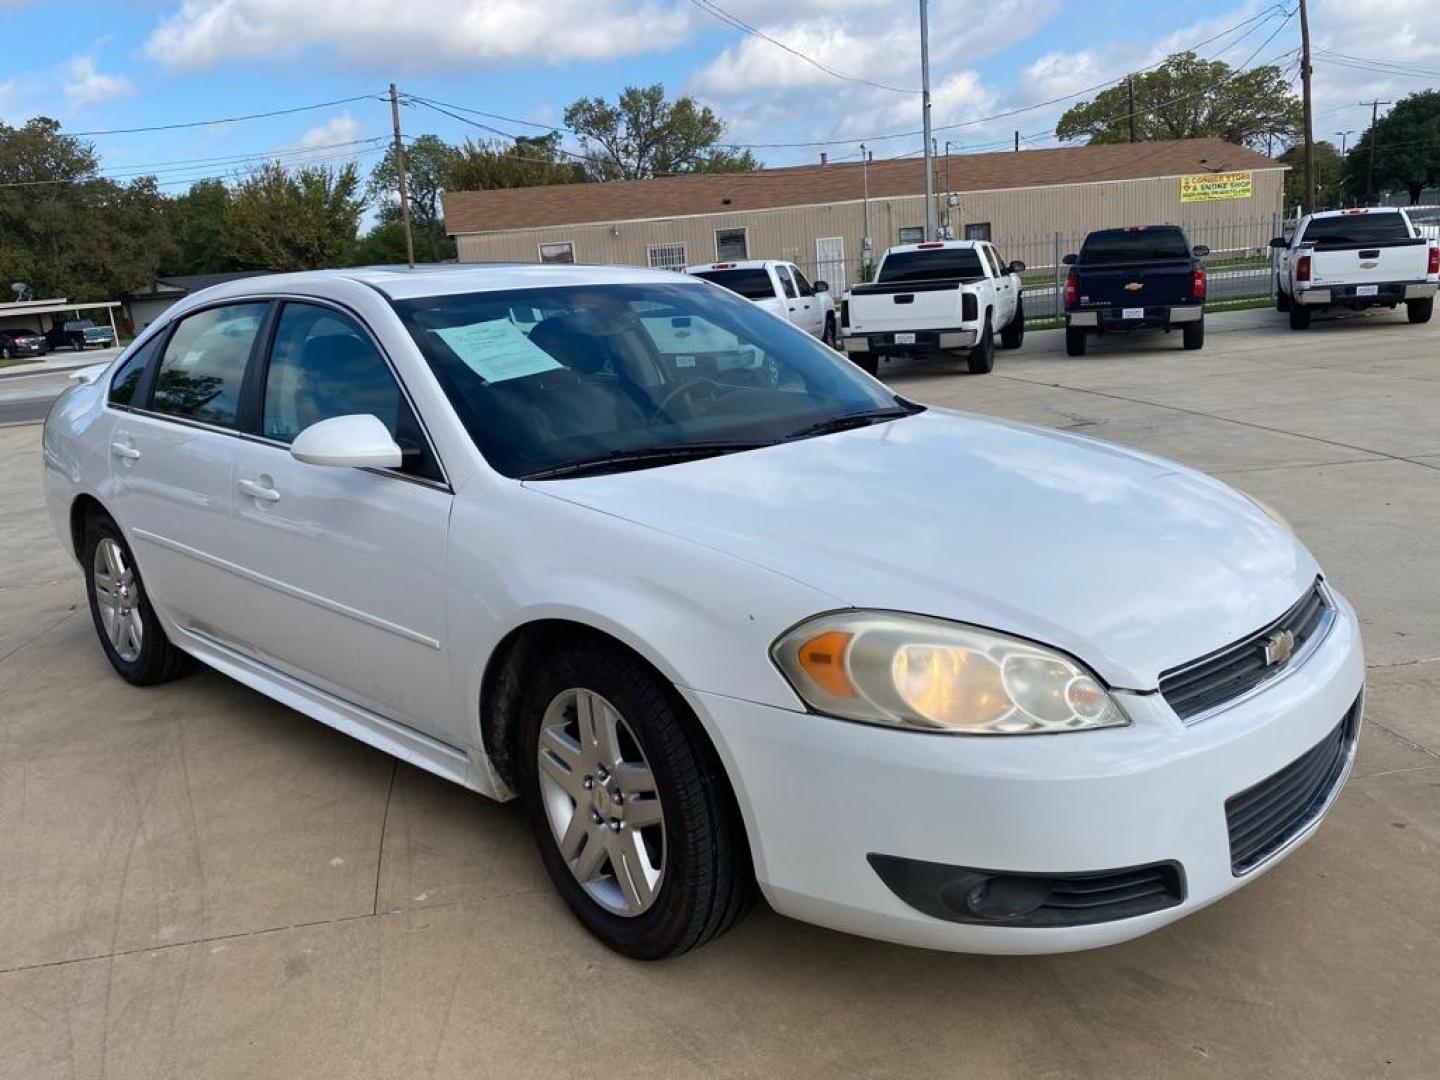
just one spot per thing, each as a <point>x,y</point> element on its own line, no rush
<point>26,393</point>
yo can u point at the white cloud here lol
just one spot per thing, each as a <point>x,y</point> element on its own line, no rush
<point>430,33</point>
<point>86,85</point>
<point>343,128</point>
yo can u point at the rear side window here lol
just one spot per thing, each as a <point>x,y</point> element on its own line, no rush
<point>783,272</point>
<point>204,364</point>
<point>934,264</point>
<point>1355,229</point>
<point>753,284</point>
<point>1134,245</point>
<point>127,379</point>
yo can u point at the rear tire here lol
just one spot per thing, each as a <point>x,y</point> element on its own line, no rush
<point>1299,317</point>
<point>1014,333</point>
<point>1195,334</point>
<point>121,611</point>
<point>981,360</point>
<point>661,768</point>
<point>829,336</point>
<point>1074,342</point>
<point>1419,311</point>
<point>867,362</point>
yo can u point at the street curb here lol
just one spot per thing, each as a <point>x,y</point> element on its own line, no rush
<point>42,368</point>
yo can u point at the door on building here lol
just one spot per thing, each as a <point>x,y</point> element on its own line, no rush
<point>830,262</point>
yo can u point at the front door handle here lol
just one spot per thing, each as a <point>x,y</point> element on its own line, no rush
<point>259,491</point>
<point>124,450</point>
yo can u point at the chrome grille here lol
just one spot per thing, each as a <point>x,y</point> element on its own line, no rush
<point>1201,686</point>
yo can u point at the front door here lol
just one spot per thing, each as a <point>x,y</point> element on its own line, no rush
<point>343,582</point>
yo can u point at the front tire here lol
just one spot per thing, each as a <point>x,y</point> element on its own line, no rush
<point>631,810</point>
<point>1013,336</point>
<point>981,360</point>
<point>129,630</point>
<point>1299,317</point>
<point>1282,301</point>
<point>1419,311</point>
<point>1194,334</point>
<point>1074,342</point>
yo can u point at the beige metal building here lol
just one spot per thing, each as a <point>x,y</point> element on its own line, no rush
<point>817,215</point>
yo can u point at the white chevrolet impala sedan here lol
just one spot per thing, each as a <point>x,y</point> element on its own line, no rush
<point>720,609</point>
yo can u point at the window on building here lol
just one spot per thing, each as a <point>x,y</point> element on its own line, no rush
<point>977,230</point>
<point>666,256</point>
<point>561,252</point>
<point>912,234</point>
<point>731,244</point>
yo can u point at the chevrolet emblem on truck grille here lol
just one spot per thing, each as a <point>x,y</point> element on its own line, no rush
<point>1278,647</point>
<point>1134,286</point>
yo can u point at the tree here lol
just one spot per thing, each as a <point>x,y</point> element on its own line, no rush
<point>197,221</point>
<point>1190,98</point>
<point>644,135</point>
<point>530,161</point>
<point>1329,174</point>
<point>383,245</point>
<point>301,220</point>
<point>427,165</point>
<point>1407,149</point>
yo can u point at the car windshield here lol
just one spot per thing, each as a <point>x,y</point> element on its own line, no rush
<point>753,283</point>
<point>1133,245</point>
<point>1352,229</point>
<point>935,264</point>
<point>556,380</point>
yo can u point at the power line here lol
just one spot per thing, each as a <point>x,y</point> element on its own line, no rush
<point>226,119</point>
<point>308,155</point>
<point>712,8</point>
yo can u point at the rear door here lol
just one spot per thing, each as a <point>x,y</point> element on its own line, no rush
<point>1004,288</point>
<point>797,307</point>
<point>1364,249</point>
<point>343,570</point>
<point>172,454</point>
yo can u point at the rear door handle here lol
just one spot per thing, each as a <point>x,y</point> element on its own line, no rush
<point>124,450</point>
<point>259,491</point>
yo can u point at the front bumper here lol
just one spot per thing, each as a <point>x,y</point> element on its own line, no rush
<point>1152,318</point>
<point>924,343</point>
<point>820,796</point>
<point>1395,292</point>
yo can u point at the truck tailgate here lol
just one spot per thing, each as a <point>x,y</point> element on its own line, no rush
<point>1148,284</point>
<point>915,305</point>
<point>1395,260</point>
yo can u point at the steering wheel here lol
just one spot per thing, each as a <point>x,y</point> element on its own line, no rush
<point>688,387</point>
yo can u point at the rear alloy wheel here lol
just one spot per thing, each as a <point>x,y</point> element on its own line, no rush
<point>981,360</point>
<point>1013,335</point>
<point>1419,311</point>
<point>1299,317</point>
<point>633,816</point>
<point>1074,342</point>
<point>1194,333</point>
<point>129,630</point>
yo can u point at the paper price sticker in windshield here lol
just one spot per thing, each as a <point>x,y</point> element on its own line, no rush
<point>496,350</point>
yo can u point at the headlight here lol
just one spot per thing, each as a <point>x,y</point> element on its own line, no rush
<point>909,671</point>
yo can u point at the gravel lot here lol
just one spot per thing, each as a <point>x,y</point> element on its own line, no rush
<point>197,882</point>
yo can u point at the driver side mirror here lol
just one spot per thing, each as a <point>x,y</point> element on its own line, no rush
<point>821,286</point>
<point>1016,267</point>
<point>1201,250</point>
<point>358,441</point>
<point>1279,242</point>
<point>1068,260</point>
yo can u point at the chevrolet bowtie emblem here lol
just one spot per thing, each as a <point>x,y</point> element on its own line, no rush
<point>1279,647</point>
<point>1368,265</point>
<point>1134,286</point>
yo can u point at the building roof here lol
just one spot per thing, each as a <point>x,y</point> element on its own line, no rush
<point>177,285</point>
<point>715,193</point>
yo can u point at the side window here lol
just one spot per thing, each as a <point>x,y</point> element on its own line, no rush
<point>786,281</point>
<point>323,365</point>
<point>803,283</point>
<point>127,379</point>
<point>204,364</point>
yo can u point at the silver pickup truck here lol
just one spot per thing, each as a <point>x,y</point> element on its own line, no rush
<point>1356,259</point>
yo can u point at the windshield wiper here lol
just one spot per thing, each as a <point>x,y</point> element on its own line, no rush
<point>617,460</point>
<point>852,420</point>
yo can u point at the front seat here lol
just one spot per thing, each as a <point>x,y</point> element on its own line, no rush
<point>602,399</point>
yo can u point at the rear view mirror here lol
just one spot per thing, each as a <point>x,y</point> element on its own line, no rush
<point>1279,242</point>
<point>821,286</point>
<point>1068,260</point>
<point>1201,251</point>
<point>1017,267</point>
<point>359,441</point>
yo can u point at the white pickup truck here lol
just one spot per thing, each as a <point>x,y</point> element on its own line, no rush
<point>781,289</point>
<point>943,296</point>
<point>1356,259</point>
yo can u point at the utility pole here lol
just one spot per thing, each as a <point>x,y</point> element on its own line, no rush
<point>1374,138</point>
<point>1017,142</point>
<point>1130,88</point>
<point>865,245</point>
<point>1344,138</point>
<point>925,108</point>
<point>1305,71</point>
<point>400,175</point>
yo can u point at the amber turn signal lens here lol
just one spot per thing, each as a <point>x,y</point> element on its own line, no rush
<point>823,659</point>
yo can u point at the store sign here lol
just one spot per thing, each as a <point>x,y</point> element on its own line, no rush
<point>1212,187</point>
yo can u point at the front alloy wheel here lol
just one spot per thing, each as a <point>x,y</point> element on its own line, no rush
<point>600,800</point>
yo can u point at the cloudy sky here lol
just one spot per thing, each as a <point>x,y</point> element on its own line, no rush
<point>101,65</point>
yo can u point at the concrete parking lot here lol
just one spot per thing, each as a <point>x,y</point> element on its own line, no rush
<point>197,882</point>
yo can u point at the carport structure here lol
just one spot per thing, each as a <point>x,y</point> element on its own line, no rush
<point>26,313</point>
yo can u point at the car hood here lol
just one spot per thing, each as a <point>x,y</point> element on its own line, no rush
<point>1131,563</point>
